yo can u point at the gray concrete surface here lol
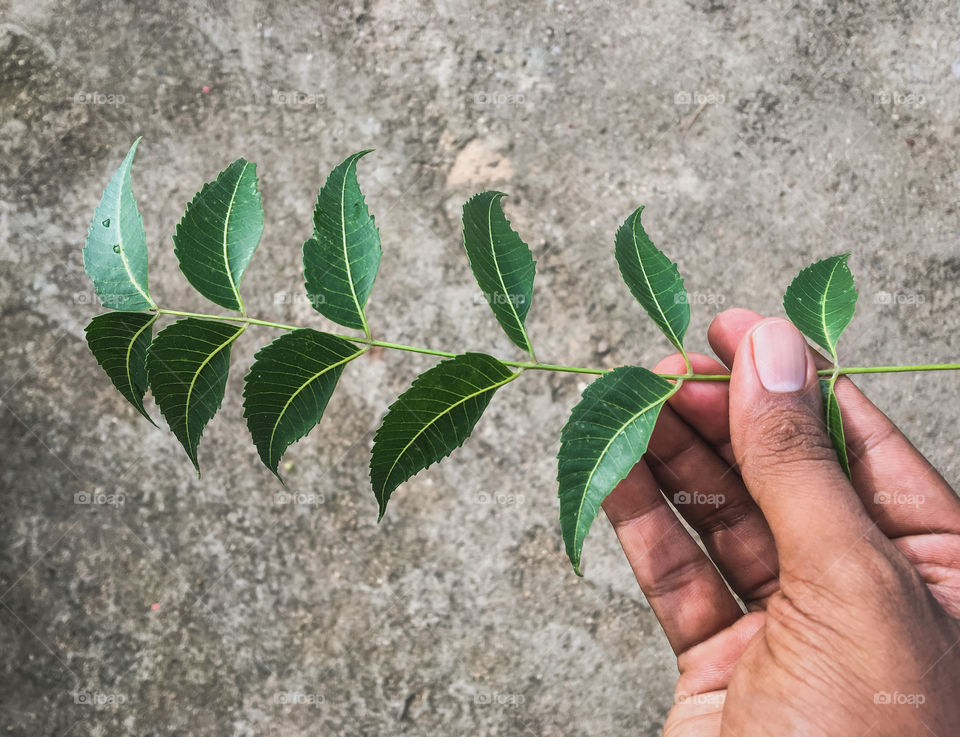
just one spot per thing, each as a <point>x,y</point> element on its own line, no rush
<point>199,607</point>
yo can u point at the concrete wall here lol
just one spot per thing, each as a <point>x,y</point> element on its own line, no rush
<point>202,605</point>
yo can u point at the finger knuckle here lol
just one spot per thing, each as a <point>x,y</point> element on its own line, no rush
<point>789,437</point>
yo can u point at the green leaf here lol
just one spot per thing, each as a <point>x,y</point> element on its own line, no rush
<point>219,232</point>
<point>187,366</point>
<point>288,388</point>
<point>115,254</point>
<point>606,435</point>
<point>653,279</point>
<point>341,261</point>
<point>119,341</point>
<point>821,300</point>
<point>432,418</point>
<point>501,262</point>
<point>834,421</point>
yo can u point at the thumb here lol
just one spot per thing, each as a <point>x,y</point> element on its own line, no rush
<point>785,456</point>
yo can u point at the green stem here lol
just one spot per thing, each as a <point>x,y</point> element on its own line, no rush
<point>537,366</point>
<point>898,369</point>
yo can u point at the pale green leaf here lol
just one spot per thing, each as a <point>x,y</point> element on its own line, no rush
<point>341,261</point>
<point>501,262</point>
<point>187,366</point>
<point>219,233</point>
<point>821,300</point>
<point>606,435</point>
<point>653,279</point>
<point>288,388</point>
<point>119,341</point>
<point>115,254</point>
<point>432,418</point>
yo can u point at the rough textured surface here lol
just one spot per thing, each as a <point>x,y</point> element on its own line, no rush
<point>201,606</point>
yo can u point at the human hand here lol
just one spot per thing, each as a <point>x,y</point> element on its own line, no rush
<point>852,588</point>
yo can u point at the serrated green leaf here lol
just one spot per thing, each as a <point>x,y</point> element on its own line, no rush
<point>821,301</point>
<point>501,263</point>
<point>606,435</point>
<point>115,254</point>
<point>119,341</point>
<point>653,279</point>
<point>187,366</point>
<point>834,421</point>
<point>219,232</point>
<point>341,261</point>
<point>288,388</point>
<point>432,418</point>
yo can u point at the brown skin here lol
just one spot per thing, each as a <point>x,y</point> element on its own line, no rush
<point>853,599</point>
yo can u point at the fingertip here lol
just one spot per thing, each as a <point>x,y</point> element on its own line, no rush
<point>672,364</point>
<point>702,404</point>
<point>727,330</point>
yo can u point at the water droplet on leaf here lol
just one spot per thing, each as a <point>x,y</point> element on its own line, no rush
<point>106,223</point>
<point>116,248</point>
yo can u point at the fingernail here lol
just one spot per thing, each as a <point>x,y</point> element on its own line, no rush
<point>780,356</point>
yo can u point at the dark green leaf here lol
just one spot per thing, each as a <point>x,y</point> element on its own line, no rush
<point>432,418</point>
<point>115,255</point>
<point>119,341</point>
<point>831,411</point>
<point>607,433</point>
<point>219,232</point>
<point>341,261</point>
<point>288,388</point>
<point>187,366</point>
<point>501,262</point>
<point>653,279</point>
<point>821,300</point>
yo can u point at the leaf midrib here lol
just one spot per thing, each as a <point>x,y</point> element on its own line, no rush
<point>226,232</point>
<point>196,374</point>
<point>675,339</point>
<point>126,362</point>
<point>449,409</point>
<point>303,386</point>
<point>496,263</point>
<point>586,486</point>
<point>823,311</point>
<point>343,237</point>
<point>127,182</point>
